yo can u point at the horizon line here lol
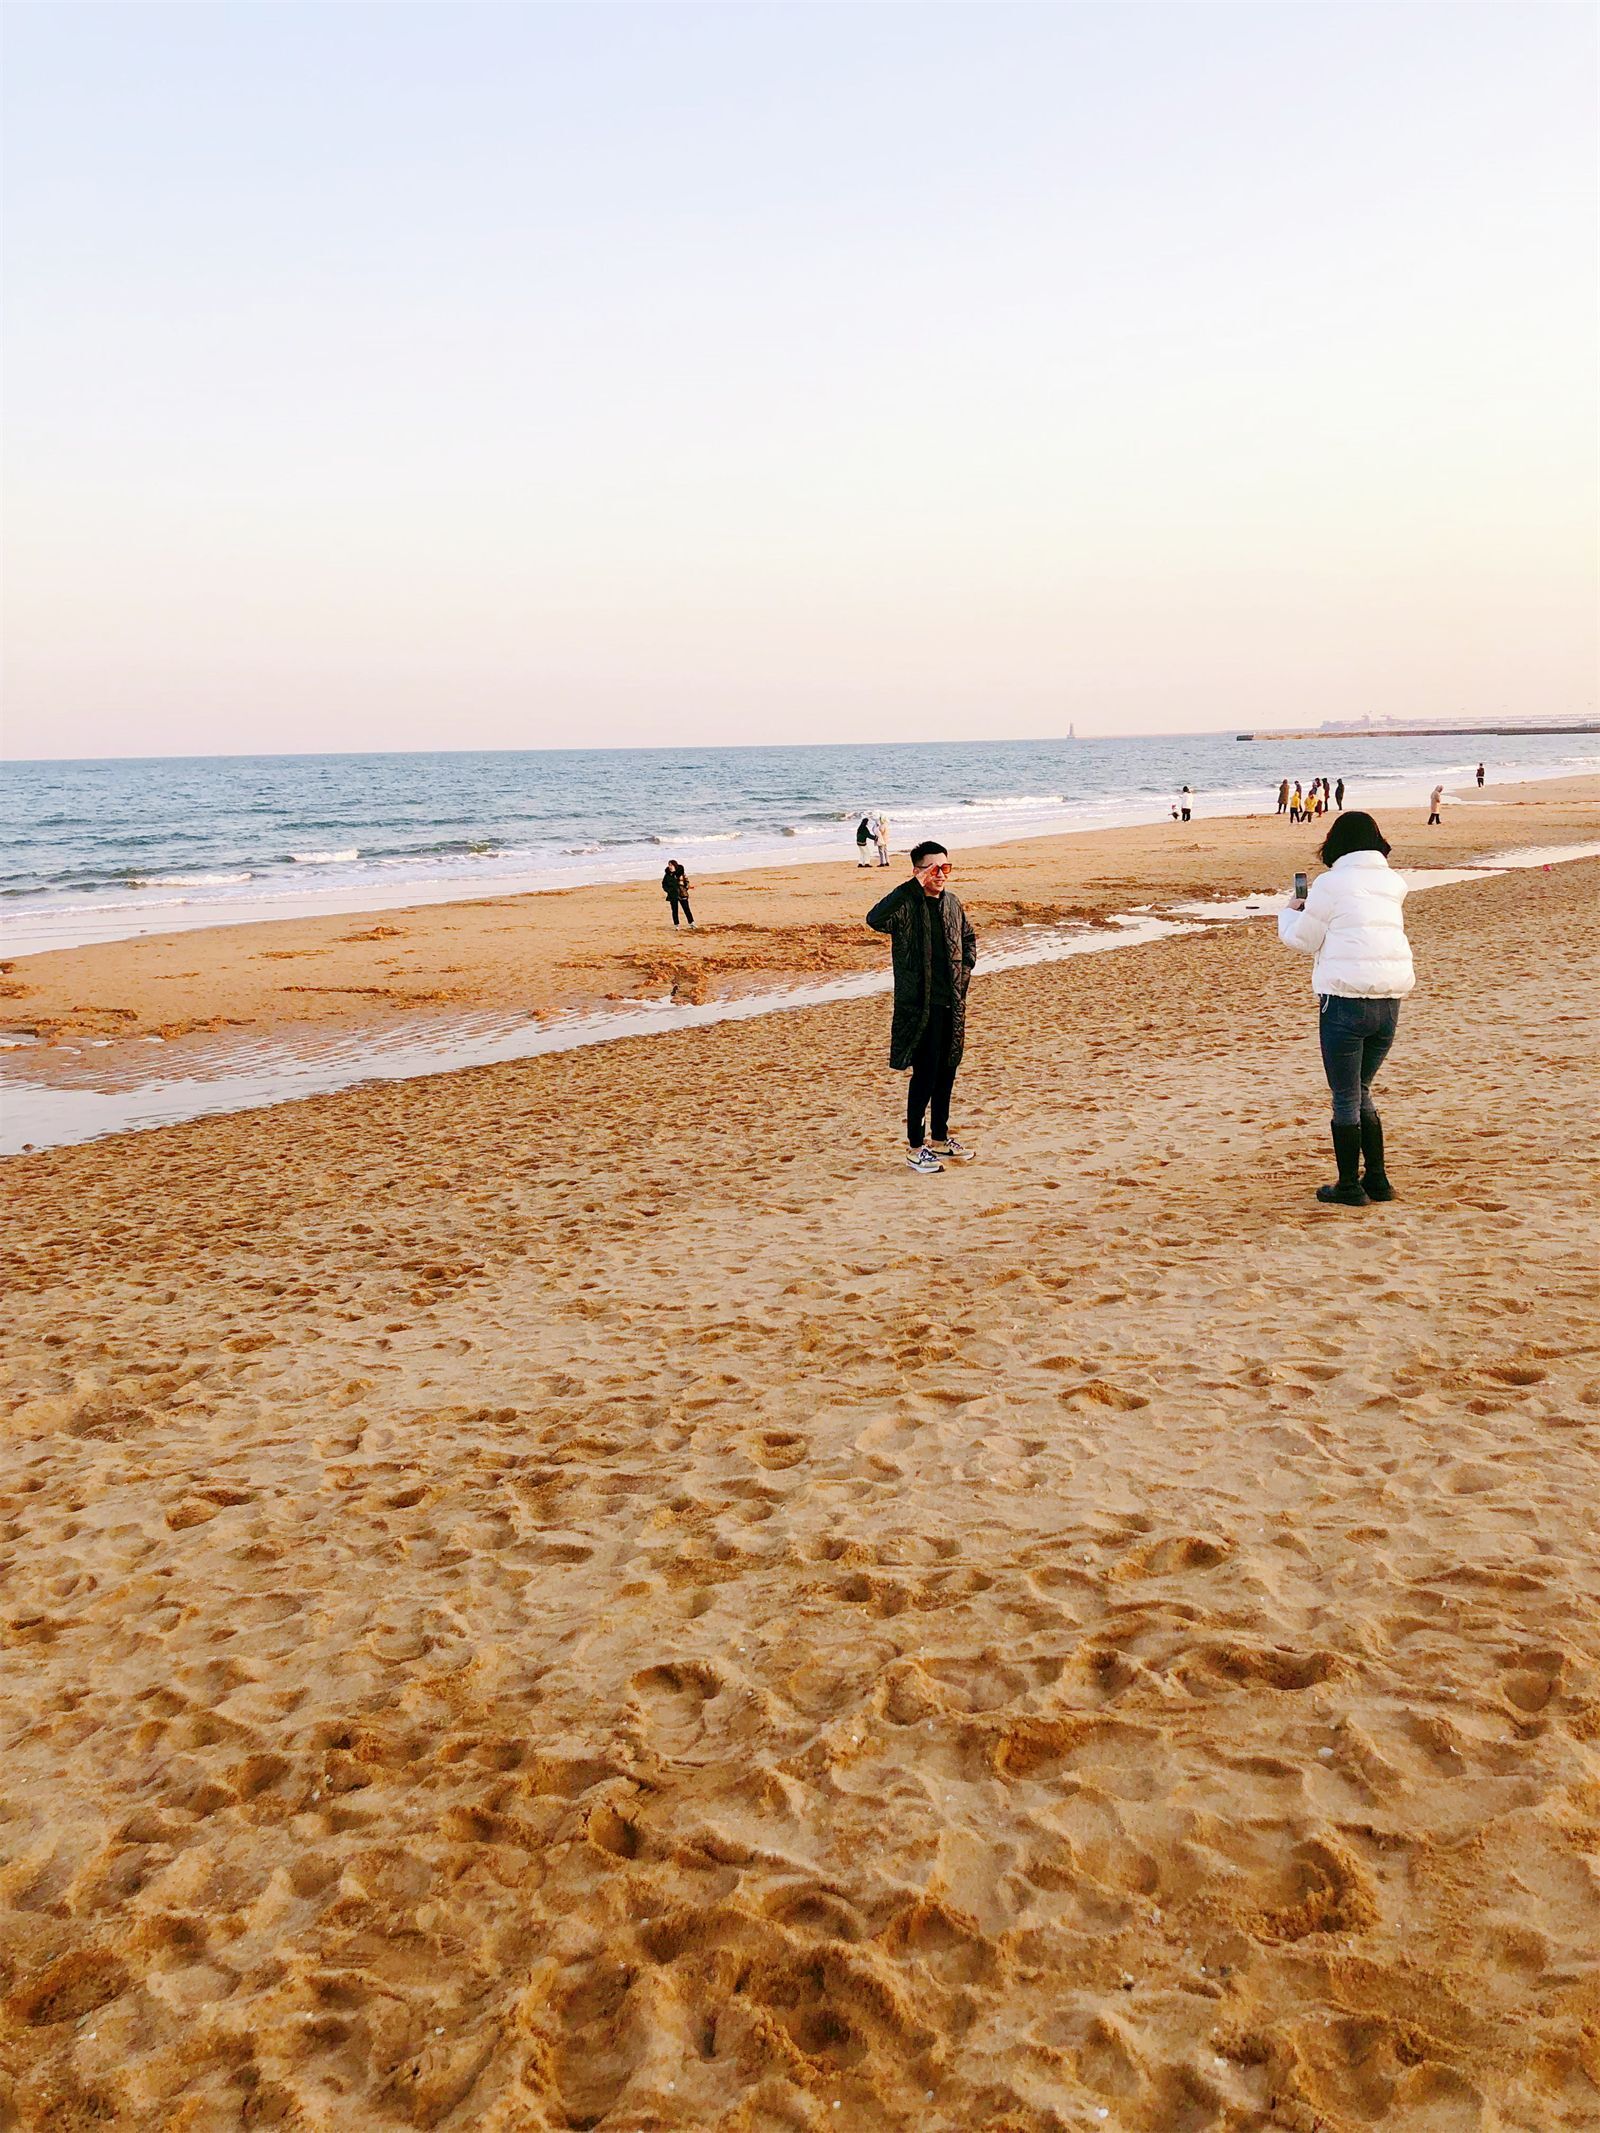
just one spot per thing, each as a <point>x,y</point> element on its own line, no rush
<point>285,755</point>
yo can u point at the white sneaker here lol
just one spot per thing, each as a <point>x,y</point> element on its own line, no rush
<point>951,1151</point>
<point>923,1161</point>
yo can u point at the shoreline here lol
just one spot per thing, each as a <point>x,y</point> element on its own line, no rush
<point>119,1033</point>
<point>543,1598</point>
<point>555,949</point>
<point>28,931</point>
<point>1419,733</point>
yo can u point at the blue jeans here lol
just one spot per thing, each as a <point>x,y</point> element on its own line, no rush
<point>1356,1036</point>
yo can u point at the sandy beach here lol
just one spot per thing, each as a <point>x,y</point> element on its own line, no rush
<point>581,1595</point>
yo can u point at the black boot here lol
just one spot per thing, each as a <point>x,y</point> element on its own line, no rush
<point>1347,1148</point>
<point>1375,1183</point>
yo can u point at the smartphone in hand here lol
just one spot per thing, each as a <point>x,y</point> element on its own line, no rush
<point>1300,887</point>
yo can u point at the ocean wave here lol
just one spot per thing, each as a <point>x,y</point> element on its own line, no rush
<point>959,807</point>
<point>436,856</point>
<point>183,881</point>
<point>436,848</point>
<point>711,837</point>
<point>325,859</point>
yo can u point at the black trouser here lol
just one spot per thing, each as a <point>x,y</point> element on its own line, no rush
<point>675,901</point>
<point>933,1076</point>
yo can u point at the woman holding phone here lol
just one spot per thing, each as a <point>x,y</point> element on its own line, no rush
<point>1352,922</point>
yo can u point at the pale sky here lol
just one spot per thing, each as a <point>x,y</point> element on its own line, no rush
<point>408,376</point>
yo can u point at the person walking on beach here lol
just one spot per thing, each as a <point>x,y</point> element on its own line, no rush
<point>866,837</point>
<point>1297,805</point>
<point>1338,796</point>
<point>1352,922</point>
<point>675,886</point>
<point>883,838</point>
<point>1185,803</point>
<point>1480,777</point>
<point>1283,797</point>
<point>934,949</point>
<point>1435,801</point>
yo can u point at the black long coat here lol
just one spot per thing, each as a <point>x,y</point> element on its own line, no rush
<point>911,940</point>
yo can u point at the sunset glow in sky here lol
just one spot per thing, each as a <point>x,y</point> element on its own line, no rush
<point>498,375</point>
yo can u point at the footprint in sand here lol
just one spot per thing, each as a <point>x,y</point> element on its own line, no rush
<point>73,1986</point>
<point>1169,1556</point>
<point>673,1701</point>
<point>1259,1666</point>
<point>777,1448</point>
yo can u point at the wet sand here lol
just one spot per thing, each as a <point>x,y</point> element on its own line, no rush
<point>580,1594</point>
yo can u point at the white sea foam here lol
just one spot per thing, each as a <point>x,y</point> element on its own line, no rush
<point>325,859</point>
<point>185,881</point>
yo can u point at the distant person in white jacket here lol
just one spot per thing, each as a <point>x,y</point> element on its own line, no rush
<point>1353,923</point>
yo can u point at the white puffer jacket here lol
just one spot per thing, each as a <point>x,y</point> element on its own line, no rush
<point>1354,926</point>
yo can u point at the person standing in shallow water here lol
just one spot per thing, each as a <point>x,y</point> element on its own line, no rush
<point>675,887</point>
<point>934,949</point>
<point>1352,922</point>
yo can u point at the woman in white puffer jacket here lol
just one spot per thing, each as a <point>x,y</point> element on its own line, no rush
<point>1353,923</point>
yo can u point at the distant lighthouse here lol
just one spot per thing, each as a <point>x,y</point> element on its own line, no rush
<point>1072,731</point>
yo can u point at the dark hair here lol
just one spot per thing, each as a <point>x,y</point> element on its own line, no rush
<point>922,853</point>
<point>1354,832</point>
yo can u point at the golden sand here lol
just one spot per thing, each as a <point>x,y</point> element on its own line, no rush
<point>580,1594</point>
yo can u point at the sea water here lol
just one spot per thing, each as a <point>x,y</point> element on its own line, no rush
<point>106,850</point>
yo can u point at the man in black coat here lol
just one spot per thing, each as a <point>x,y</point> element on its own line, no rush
<point>934,949</point>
